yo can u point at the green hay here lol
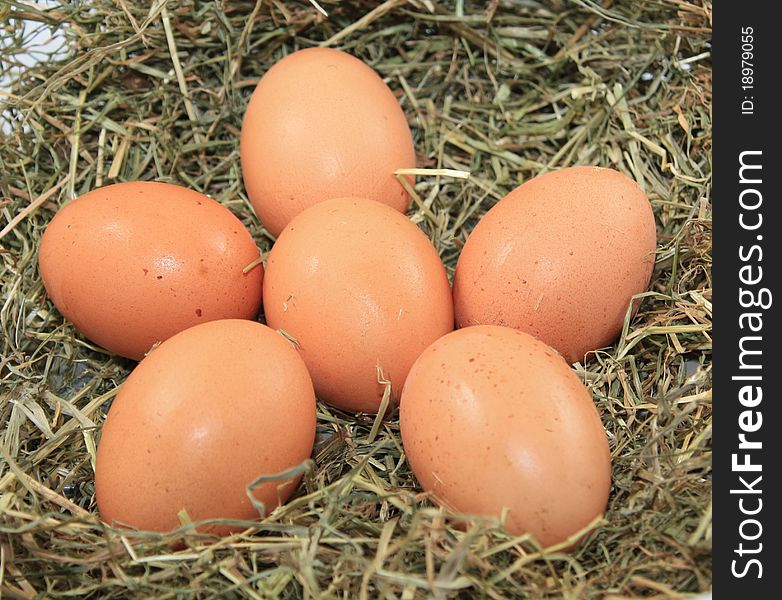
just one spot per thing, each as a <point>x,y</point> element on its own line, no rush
<point>504,90</point>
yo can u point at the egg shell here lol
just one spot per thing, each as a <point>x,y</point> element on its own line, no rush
<point>322,124</point>
<point>559,257</point>
<point>358,285</point>
<point>132,264</point>
<point>492,418</point>
<point>205,414</point>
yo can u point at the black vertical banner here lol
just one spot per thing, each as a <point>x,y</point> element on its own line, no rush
<point>747,261</point>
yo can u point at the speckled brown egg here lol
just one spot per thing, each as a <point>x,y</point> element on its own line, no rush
<point>208,412</point>
<point>560,257</point>
<point>493,420</point>
<point>362,291</point>
<point>322,124</point>
<point>132,264</point>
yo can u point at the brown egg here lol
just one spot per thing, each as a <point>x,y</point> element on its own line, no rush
<point>322,124</point>
<point>493,419</point>
<point>205,414</point>
<point>359,287</point>
<point>559,257</point>
<point>132,264</point>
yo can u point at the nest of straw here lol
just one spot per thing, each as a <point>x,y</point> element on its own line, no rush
<point>503,89</point>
